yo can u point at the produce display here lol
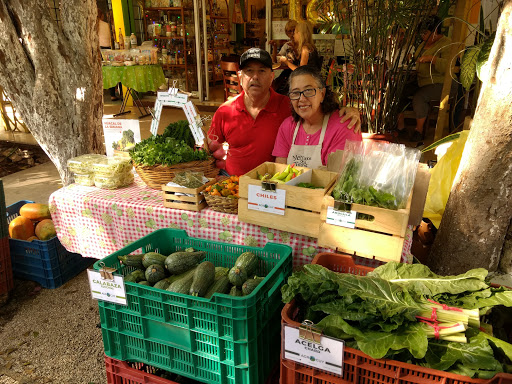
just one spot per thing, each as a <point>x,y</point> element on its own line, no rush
<point>185,272</point>
<point>289,173</point>
<point>174,146</point>
<point>111,166</point>
<point>83,165</point>
<point>408,313</point>
<point>33,223</point>
<point>115,181</point>
<point>377,174</point>
<point>228,188</point>
<point>86,179</point>
<point>189,179</point>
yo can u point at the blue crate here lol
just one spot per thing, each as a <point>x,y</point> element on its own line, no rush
<point>45,262</point>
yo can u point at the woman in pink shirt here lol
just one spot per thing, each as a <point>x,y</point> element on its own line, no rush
<point>313,131</point>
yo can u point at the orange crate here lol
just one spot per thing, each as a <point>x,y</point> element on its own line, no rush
<point>359,367</point>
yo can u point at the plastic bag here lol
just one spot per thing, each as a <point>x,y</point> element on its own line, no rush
<point>377,174</point>
<point>441,180</point>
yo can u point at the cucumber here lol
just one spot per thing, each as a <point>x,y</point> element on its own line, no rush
<point>154,273</point>
<point>183,284</point>
<point>248,261</point>
<point>251,284</point>
<point>132,261</point>
<point>153,258</point>
<point>235,291</point>
<point>220,285</point>
<point>237,276</point>
<point>145,282</point>
<point>204,276</point>
<point>135,276</point>
<point>179,262</point>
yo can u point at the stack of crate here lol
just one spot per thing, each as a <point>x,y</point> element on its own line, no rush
<point>6,279</point>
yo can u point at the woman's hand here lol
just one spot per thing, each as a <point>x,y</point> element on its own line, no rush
<point>352,114</point>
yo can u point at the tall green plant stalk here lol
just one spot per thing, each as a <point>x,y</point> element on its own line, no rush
<point>381,40</point>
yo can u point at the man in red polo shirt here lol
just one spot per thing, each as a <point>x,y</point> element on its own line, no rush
<point>249,122</point>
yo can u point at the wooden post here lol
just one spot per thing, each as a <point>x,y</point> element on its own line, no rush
<point>458,36</point>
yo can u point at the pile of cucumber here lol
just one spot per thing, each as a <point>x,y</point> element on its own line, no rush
<point>186,272</point>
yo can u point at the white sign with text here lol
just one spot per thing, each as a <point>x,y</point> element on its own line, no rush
<point>326,355</point>
<point>120,135</point>
<point>341,218</point>
<point>266,201</point>
<point>105,289</point>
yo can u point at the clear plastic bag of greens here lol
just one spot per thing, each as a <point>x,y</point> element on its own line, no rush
<point>377,174</point>
<point>387,174</point>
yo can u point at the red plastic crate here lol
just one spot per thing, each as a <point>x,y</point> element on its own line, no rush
<point>359,367</point>
<point>121,372</point>
<point>6,279</point>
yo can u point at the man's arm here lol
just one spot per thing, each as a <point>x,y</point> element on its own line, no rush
<point>352,114</point>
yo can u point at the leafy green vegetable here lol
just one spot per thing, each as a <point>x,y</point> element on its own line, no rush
<point>165,151</point>
<point>377,314</point>
<point>308,185</point>
<point>421,280</point>
<point>347,190</point>
<point>180,130</point>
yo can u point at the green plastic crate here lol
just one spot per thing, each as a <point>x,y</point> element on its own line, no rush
<point>223,339</point>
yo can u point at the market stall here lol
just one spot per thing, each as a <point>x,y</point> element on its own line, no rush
<point>97,222</point>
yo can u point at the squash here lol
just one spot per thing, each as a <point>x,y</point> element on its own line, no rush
<point>248,261</point>
<point>220,285</point>
<point>162,284</point>
<point>35,211</point>
<point>204,276</point>
<point>154,273</point>
<point>221,271</point>
<point>235,291</point>
<point>32,238</point>
<point>45,230</point>
<point>182,261</point>
<point>183,284</point>
<point>132,260</point>
<point>21,228</point>
<point>145,282</point>
<point>237,276</point>
<point>251,284</point>
<point>135,276</point>
<point>153,258</point>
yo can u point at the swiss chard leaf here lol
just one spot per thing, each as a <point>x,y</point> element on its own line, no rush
<point>481,299</point>
<point>419,279</point>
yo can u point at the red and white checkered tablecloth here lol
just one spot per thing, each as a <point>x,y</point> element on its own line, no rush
<point>96,222</point>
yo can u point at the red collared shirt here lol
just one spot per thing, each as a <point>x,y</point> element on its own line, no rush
<point>250,140</point>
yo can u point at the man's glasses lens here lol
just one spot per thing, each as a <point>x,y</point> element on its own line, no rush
<point>295,95</point>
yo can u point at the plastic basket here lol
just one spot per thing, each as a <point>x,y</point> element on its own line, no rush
<point>359,367</point>
<point>6,280</point>
<point>121,372</point>
<point>45,262</point>
<point>223,339</point>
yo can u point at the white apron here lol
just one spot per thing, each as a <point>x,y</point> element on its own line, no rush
<point>309,156</point>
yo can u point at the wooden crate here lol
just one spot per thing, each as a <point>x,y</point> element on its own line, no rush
<point>174,199</point>
<point>303,205</point>
<point>381,238</point>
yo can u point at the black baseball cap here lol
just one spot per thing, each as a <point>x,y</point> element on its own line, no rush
<point>256,54</point>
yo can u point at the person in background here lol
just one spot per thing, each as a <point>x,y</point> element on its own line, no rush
<point>249,122</point>
<point>432,61</point>
<point>314,130</point>
<point>280,84</point>
<point>305,49</point>
<point>105,43</point>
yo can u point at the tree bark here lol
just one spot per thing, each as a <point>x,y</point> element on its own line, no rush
<point>52,74</point>
<point>479,210</point>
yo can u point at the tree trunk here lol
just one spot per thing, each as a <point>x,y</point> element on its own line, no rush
<point>479,211</point>
<point>52,74</point>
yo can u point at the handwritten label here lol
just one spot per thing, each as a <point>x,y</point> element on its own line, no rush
<point>341,218</point>
<point>107,290</point>
<point>326,355</point>
<point>266,201</point>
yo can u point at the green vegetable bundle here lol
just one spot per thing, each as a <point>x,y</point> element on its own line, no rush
<point>406,312</point>
<point>174,146</point>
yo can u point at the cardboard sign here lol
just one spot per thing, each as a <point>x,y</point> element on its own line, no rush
<point>266,201</point>
<point>120,135</point>
<point>111,290</point>
<point>326,354</point>
<point>278,30</point>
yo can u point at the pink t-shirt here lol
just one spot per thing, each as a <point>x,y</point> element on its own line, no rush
<point>335,136</point>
